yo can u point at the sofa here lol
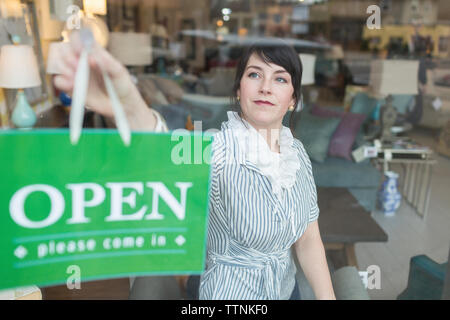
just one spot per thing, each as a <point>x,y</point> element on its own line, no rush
<point>330,135</point>
<point>176,103</point>
<point>361,179</point>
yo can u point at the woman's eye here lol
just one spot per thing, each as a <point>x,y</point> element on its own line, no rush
<point>282,80</point>
<point>253,75</point>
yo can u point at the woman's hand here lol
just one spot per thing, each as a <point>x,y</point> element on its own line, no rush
<point>97,100</point>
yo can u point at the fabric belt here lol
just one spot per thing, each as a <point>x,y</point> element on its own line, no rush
<point>270,263</point>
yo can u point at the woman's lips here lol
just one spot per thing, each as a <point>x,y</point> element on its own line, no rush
<point>263,103</point>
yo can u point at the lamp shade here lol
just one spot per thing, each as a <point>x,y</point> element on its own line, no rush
<point>55,52</point>
<point>394,77</point>
<point>158,30</point>
<point>335,53</point>
<point>308,64</point>
<point>18,67</point>
<point>131,49</point>
<point>95,7</point>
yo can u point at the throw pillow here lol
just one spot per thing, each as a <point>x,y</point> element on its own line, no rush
<point>344,137</point>
<point>150,93</point>
<point>363,104</point>
<point>315,133</point>
<point>169,88</point>
<point>402,102</point>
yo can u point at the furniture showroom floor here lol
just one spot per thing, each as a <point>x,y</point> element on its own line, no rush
<point>408,234</point>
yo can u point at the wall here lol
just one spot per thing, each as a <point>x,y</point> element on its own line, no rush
<point>49,29</point>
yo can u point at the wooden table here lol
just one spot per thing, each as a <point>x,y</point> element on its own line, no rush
<point>344,222</point>
<point>109,289</point>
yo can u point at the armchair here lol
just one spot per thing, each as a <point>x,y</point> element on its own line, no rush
<point>438,86</point>
<point>426,280</point>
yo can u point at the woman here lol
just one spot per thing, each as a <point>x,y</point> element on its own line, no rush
<point>263,199</point>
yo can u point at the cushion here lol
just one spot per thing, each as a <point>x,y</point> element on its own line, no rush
<point>344,137</point>
<point>152,95</point>
<point>363,104</point>
<point>169,88</point>
<point>347,284</point>
<point>315,133</point>
<point>402,102</point>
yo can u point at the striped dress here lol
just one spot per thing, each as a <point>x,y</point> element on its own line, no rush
<point>252,224</point>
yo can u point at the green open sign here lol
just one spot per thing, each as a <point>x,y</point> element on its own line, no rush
<point>112,210</point>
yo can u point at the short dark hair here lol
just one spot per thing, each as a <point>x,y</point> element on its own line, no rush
<point>278,53</point>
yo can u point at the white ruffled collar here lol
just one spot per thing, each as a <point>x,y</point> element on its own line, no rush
<point>280,168</point>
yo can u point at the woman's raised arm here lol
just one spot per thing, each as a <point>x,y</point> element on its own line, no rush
<point>139,115</point>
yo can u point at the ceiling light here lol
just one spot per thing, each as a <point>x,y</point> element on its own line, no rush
<point>226,11</point>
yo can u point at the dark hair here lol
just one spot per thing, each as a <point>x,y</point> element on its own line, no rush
<point>278,53</point>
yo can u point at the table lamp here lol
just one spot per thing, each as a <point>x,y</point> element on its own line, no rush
<point>308,71</point>
<point>131,49</point>
<point>19,70</point>
<point>388,77</point>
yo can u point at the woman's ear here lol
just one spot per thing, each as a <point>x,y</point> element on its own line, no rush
<point>293,102</point>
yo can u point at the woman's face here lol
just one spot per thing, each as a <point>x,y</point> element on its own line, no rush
<point>265,93</point>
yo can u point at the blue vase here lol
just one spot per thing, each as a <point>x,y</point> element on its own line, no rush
<point>389,198</point>
<point>23,116</point>
<point>65,99</point>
